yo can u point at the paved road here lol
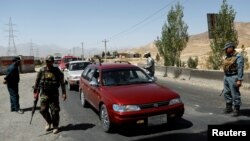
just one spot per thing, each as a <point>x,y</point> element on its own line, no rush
<point>203,107</point>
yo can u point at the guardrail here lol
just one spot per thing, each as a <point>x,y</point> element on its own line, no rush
<point>199,76</point>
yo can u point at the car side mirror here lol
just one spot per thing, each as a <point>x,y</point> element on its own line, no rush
<point>93,83</point>
<point>153,78</point>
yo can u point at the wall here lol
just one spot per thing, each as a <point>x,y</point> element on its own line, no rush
<point>195,75</point>
<point>27,64</point>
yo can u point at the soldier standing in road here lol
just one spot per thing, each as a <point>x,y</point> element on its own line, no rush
<point>12,79</point>
<point>233,67</point>
<point>150,65</point>
<point>48,81</point>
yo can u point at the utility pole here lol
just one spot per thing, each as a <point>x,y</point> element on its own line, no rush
<point>82,52</point>
<point>12,46</point>
<point>31,49</point>
<point>105,45</point>
<point>37,52</point>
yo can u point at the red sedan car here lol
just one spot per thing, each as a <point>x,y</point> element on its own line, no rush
<point>126,94</point>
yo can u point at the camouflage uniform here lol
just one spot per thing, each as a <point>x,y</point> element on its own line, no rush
<point>49,80</point>
<point>233,66</point>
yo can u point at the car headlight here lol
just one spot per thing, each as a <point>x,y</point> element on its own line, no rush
<point>175,101</point>
<point>125,108</point>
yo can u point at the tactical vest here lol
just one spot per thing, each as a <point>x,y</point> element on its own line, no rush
<point>229,64</point>
<point>50,79</point>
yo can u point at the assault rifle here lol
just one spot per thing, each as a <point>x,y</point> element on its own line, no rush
<point>34,104</point>
<point>222,92</point>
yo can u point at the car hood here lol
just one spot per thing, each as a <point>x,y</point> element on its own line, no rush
<point>75,73</point>
<point>139,93</point>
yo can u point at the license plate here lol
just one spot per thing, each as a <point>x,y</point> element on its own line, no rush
<point>157,120</point>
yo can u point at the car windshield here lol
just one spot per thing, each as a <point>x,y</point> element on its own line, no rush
<point>78,66</point>
<point>57,61</point>
<point>129,76</point>
<point>66,60</point>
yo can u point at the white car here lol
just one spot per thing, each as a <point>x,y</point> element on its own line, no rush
<point>73,73</point>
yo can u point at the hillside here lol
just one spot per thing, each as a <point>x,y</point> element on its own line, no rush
<point>199,44</point>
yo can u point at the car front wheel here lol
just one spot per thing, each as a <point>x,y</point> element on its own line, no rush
<point>82,98</point>
<point>106,124</point>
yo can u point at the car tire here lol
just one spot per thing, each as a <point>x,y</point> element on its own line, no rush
<point>104,117</point>
<point>83,100</point>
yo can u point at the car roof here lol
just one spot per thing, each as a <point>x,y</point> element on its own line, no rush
<point>78,61</point>
<point>69,57</point>
<point>113,65</point>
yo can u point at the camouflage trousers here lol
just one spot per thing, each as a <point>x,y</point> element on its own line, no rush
<point>231,91</point>
<point>49,107</point>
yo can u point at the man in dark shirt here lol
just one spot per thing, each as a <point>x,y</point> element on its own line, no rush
<point>12,79</point>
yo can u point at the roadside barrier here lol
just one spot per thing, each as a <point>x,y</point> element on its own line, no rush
<point>195,75</point>
<point>27,64</point>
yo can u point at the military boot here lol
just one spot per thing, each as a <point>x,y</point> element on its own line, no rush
<point>236,111</point>
<point>228,108</point>
<point>47,127</point>
<point>55,130</point>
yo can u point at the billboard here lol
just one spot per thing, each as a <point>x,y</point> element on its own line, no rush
<point>211,22</point>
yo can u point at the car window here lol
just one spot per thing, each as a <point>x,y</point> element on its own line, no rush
<point>78,66</point>
<point>95,76</point>
<point>85,72</point>
<point>57,61</point>
<point>90,74</point>
<point>124,77</point>
<point>66,60</point>
<point>85,64</point>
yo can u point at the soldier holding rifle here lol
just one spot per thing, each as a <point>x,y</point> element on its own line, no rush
<point>48,80</point>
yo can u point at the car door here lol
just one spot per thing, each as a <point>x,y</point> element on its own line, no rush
<point>94,90</point>
<point>84,83</point>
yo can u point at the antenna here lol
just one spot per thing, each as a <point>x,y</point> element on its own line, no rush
<point>12,46</point>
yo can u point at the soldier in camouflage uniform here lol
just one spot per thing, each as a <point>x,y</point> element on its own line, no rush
<point>233,67</point>
<point>48,81</point>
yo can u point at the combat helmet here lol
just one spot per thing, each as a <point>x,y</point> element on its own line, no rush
<point>50,58</point>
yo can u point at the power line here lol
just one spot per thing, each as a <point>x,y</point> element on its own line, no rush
<point>145,23</point>
<point>139,23</point>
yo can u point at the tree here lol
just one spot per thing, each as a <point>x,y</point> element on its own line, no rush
<point>174,37</point>
<point>223,32</point>
<point>108,53</point>
<point>103,54</point>
<point>115,53</point>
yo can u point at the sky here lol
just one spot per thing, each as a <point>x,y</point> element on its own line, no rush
<point>123,23</point>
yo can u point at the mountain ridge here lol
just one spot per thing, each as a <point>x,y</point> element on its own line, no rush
<point>199,44</point>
